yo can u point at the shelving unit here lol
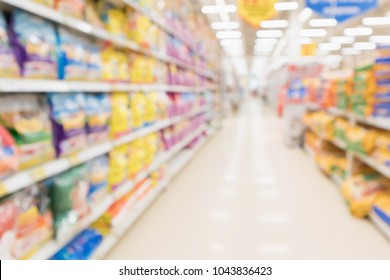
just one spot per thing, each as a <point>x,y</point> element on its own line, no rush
<point>90,30</point>
<point>48,250</point>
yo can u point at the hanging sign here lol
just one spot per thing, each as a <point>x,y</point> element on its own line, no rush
<point>341,10</point>
<point>309,49</point>
<point>255,11</point>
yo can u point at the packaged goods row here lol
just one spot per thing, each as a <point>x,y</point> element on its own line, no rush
<point>49,212</point>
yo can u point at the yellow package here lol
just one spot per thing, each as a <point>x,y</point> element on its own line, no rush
<point>118,162</point>
<point>136,157</point>
<point>120,115</point>
<point>383,140</point>
<point>382,156</point>
<point>113,18</point>
<point>151,70</point>
<point>150,148</point>
<point>138,28</point>
<point>137,106</point>
<point>150,108</point>
<point>115,65</point>
<point>92,14</point>
<point>361,139</point>
<point>138,65</point>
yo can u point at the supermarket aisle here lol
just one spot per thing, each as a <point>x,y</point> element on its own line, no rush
<point>246,196</point>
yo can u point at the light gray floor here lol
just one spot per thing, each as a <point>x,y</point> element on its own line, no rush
<point>247,196</point>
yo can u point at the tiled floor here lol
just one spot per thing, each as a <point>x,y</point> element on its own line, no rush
<point>247,196</point>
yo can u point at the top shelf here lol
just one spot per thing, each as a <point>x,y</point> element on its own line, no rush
<point>88,29</point>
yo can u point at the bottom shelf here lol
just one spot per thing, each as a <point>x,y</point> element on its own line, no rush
<point>175,166</point>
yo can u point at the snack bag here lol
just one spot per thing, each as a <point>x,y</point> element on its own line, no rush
<point>9,155</point>
<point>9,213</point>
<point>92,14</point>
<point>9,67</point>
<point>137,106</point>
<point>118,166</point>
<point>135,159</point>
<point>69,195</point>
<point>150,108</point>
<point>115,65</point>
<point>98,110</point>
<point>94,62</point>
<point>33,41</point>
<point>72,56</point>
<point>73,8</point>
<point>120,116</point>
<point>361,139</point>
<point>98,179</point>
<point>26,118</point>
<point>68,117</point>
<point>113,17</point>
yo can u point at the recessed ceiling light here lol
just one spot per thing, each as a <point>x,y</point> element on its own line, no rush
<point>228,34</point>
<point>313,33</point>
<point>383,39</point>
<point>364,46</point>
<point>274,24</point>
<point>358,31</point>
<point>286,6</point>
<point>329,47</point>
<point>269,33</point>
<point>305,41</point>
<point>266,41</point>
<point>342,40</point>
<point>350,51</point>
<point>374,21</point>
<point>226,42</point>
<point>225,25</point>
<point>217,9</point>
<point>324,22</point>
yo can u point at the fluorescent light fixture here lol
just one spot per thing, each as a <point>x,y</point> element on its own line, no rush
<point>313,33</point>
<point>269,33</point>
<point>305,15</point>
<point>358,31</point>
<point>342,40</point>
<point>264,48</point>
<point>218,9</point>
<point>324,22</point>
<point>305,41</point>
<point>364,46</point>
<point>286,6</point>
<point>225,25</point>
<point>329,47</point>
<point>383,39</point>
<point>228,34</point>
<point>374,21</point>
<point>274,24</point>
<point>230,42</point>
<point>350,51</point>
<point>266,41</point>
<point>333,58</point>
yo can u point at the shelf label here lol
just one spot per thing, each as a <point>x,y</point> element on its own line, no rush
<point>341,10</point>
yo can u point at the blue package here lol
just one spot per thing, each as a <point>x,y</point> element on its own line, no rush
<point>9,68</point>
<point>98,109</point>
<point>98,179</point>
<point>33,41</point>
<point>94,62</point>
<point>68,117</point>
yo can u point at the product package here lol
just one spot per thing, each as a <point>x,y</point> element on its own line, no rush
<point>94,61</point>
<point>98,110</point>
<point>150,108</point>
<point>115,65</point>
<point>69,194</point>
<point>113,17</point>
<point>68,117</point>
<point>9,153</point>
<point>381,207</point>
<point>120,114</point>
<point>137,107</point>
<point>72,55</point>
<point>98,170</point>
<point>33,41</point>
<point>92,14</point>
<point>118,162</point>
<point>26,118</point>
<point>136,157</point>
<point>26,222</point>
<point>361,139</point>
<point>73,8</point>
<point>9,67</point>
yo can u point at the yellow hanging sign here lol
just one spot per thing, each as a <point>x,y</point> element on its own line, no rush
<point>253,12</point>
<point>309,49</point>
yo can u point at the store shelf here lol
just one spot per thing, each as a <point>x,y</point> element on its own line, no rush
<point>48,250</point>
<point>174,168</point>
<point>337,112</point>
<point>380,224</point>
<point>341,145</point>
<point>26,85</point>
<point>383,169</point>
<point>90,30</point>
<point>28,177</point>
<point>382,123</point>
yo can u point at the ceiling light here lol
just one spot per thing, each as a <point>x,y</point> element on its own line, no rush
<point>264,47</point>
<point>383,39</point>
<point>373,21</point>
<point>228,34</point>
<point>350,51</point>
<point>358,31</point>
<point>305,41</point>
<point>342,40</point>
<point>266,41</point>
<point>333,58</point>
<point>217,9</point>
<point>324,22</point>
<point>329,47</point>
<point>286,6</point>
<point>269,33</point>
<point>225,25</point>
<point>274,24</point>
<point>313,32</point>
<point>229,42</point>
<point>364,46</point>
<point>305,15</point>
